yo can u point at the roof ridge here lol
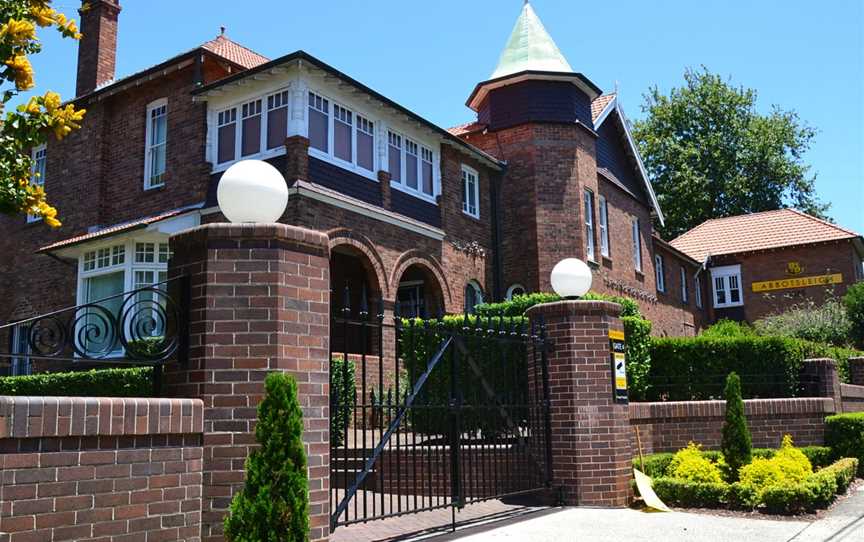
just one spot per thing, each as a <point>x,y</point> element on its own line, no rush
<point>234,42</point>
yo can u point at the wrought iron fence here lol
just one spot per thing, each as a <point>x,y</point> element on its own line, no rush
<point>148,327</point>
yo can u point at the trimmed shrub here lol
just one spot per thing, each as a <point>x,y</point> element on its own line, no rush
<point>792,462</point>
<point>343,397</point>
<point>825,323</point>
<point>854,303</point>
<point>743,495</point>
<point>657,465</point>
<point>736,444</point>
<point>844,433</point>
<point>679,492</point>
<point>844,471</point>
<point>819,456</point>
<point>689,464</point>
<point>521,303</point>
<point>125,382</point>
<point>274,501</point>
<point>725,328</point>
<point>760,474</point>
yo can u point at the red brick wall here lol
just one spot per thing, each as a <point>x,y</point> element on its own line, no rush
<point>852,398</point>
<point>97,50</point>
<point>822,259</point>
<point>107,469</point>
<point>667,427</point>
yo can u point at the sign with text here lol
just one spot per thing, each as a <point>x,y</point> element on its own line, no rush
<point>618,356</point>
<point>797,282</point>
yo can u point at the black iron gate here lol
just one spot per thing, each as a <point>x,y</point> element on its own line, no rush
<point>434,413</point>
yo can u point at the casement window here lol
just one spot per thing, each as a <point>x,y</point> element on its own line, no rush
<point>684,294</point>
<point>514,290</point>
<point>365,143</point>
<point>227,135</point>
<point>473,296</point>
<point>319,122</point>
<point>604,227</point>
<point>157,144</point>
<point>411,165</point>
<point>250,135</point>
<point>470,192</point>
<point>659,273</point>
<point>698,287</point>
<point>277,119</point>
<point>588,207</point>
<point>343,122</point>
<point>39,158</point>
<point>726,286</point>
<point>637,244</point>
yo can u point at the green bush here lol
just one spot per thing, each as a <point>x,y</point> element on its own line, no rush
<point>274,501</point>
<point>819,456</point>
<point>736,444</point>
<point>726,328</point>
<point>343,398</point>
<point>844,471</point>
<point>657,465</point>
<point>793,463</point>
<point>679,492</point>
<point>689,464</point>
<point>854,303</point>
<point>126,382</point>
<point>825,323</point>
<point>743,495</point>
<point>844,433</point>
<point>521,303</point>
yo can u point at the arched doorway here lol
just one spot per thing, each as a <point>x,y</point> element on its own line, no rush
<point>419,294</point>
<point>354,295</point>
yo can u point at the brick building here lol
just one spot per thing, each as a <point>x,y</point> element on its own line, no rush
<point>435,219</point>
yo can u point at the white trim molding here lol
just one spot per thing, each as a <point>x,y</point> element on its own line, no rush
<point>726,286</point>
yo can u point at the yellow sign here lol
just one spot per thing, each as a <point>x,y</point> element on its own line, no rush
<point>794,268</point>
<point>797,282</point>
<point>616,335</point>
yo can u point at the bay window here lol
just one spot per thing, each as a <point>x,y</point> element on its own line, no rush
<point>341,135</point>
<point>726,283</point>
<point>588,200</point>
<point>604,227</point>
<point>470,192</point>
<point>227,135</point>
<point>157,144</point>
<point>365,143</point>
<point>342,122</point>
<point>410,165</point>
<point>394,154</point>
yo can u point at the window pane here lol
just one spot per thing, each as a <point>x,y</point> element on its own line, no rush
<point>734,291</point>
<point>99,338</point>
<point>159,129</point>
<point>720,290</point>
<point>251,136</point>
<point>342,140</point>
<point>157,164</point>
<point>427,178</point>
<point>411,170</point>
<point>277,127</point>
<point>395,164</point>
<point>318,130</point>
<point>227,139</point>
<point>365,151</point>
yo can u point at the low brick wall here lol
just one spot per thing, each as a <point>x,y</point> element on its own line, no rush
<point>852,397</point>
<point>107,469</point>
<point>669,426</point>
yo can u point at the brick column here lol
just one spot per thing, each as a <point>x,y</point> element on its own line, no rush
<point>384,184</point>
<point>296,159</point>
<point>260,297</point>
<point>856,371</point>
<point>819,378</point>
<point>590,432</point>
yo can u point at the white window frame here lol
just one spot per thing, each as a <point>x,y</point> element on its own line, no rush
<point>149,146</point>
<point>636,235</point>
<point>588,208</point>
<point>37,174</point>
<point>467,172</point>
<point>401,184</point>
<point>698,286</point>
<point>685,296</point>
<point>513,288</point>
<point>724,276</point>
<point>660,273</point>
<point>263,152</point>
<point>604,227</point>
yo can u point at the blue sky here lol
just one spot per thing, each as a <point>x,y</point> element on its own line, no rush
<point>806,56</point>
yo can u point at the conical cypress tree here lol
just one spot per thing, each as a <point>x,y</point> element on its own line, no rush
<point>274,503</point>
<point>736,444</point>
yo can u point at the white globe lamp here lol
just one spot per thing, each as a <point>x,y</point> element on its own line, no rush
<point>571,278</point>
<point>252,191</point>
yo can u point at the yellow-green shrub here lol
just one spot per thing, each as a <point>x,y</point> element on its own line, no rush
<point>690,465</point>
<point>792,462</point>
<point>761,473</point>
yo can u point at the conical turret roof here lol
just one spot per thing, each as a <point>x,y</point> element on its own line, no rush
<point>530,47</point>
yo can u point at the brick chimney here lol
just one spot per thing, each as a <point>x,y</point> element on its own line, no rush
<point>97,50</point>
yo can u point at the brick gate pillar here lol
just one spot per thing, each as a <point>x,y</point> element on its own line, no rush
<point>591,451</point>
<point>856,371</point>
<point>260,301</point>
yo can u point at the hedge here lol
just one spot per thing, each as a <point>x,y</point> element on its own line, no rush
<point>693,368</point>
<point>656,465</point>
<point>125,382</point>
<point>343,398</point>
<point>844,433</point>
<point>521,303</point>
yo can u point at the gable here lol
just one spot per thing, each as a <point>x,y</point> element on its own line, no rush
<point>612,155</point>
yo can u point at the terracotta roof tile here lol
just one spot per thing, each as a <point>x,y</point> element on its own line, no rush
<point>234,52</point>
<point>757,231</point>
<point>467,128</point>
<point>599,104</point>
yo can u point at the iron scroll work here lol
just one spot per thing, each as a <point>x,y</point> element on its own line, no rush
<point>146,326</point>
<point>435,413</point>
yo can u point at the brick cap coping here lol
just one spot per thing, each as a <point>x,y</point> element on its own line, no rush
<point>714,409</point>
<point>26,417</point>
<point>575,307</point>
<point>851,391</point>
<point>247,231</point>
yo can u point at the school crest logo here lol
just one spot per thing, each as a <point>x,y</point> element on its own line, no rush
<point>794,268</point>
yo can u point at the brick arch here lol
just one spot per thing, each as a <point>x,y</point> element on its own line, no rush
<point>361,243</point>
<point>412,257</point>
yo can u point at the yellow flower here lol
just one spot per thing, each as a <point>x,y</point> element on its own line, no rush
<point>32,106</point>
<point>23,71</point>
<point>64,120</point>
<point>44,15</point>
<point>19,32</point>
<point>51,101</point>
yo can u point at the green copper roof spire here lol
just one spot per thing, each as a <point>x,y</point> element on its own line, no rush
<point>530,47</point>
